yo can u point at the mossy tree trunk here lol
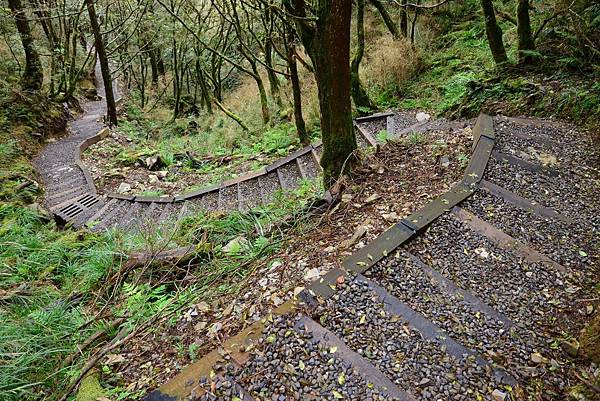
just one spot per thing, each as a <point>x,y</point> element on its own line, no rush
<point>526,41</point>
<point>494,33</point>
<point>33,75</point>
<point>359,95</point>
<point>103,60</point>
<point>327,42</point>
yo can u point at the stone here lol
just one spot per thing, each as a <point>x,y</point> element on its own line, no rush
<point>162,174</point>
<point>153,179</point>
<point>445,161</point>
<point>498,395</point>
<point>571,347</point>
<point>236,245</point>
<point>312,274</point>
<point>123,188</point>
<point>422,117</point>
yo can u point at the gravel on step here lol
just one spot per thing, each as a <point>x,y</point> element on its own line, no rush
<point>575,197</point>
<point>208,202</point>
<point>228,198</point>
<point>311,169</point>
<point>509,346</point>
<point>420,366</point>
<point>574,147</point>
<point>289,364</point>
<point>250,194</point>
<point>560,241</point>
<point>290,176</point>
<point>528,293</point>
<point>269,184</point>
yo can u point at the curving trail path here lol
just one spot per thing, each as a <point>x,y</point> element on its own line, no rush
<point>72,197</point>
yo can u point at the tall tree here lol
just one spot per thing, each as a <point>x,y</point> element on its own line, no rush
<point>326,38</point>
<point>494,33</point>
<point>103,60</point>
<point>404,18</point>
<point>33,75</point>
<point>526,41</point>
<point>359,95</point>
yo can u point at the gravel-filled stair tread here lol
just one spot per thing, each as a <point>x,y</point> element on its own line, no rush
<point>269,186</point>
<point>419,364</point>
<point>568,244</point>
<point>229,198</point>
<point>114,216</point>
<point>290,176</point>
<point>296,359</point>
<point>463,316</point>
<point>309,165</point>
<point>129,219</point>
<point>575,197</point>
<point>250,196</point>
<point>208,202</point>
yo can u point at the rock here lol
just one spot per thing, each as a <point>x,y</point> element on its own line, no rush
<point>445,161</point>
<point>162,174</point>
<point>123,188</point>
<point>498,395</point>
<point>154,162</point>
<point>571,347</point>
<point>312,274</point>
<point>236,245</point>
<point>153,179</point>
<point>372,198</point>
<point>537,358</point>
<point>421,117</point>
<point>358,233</point>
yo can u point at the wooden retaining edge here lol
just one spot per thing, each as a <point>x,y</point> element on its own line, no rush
<point>373,117</point>
<point>368,137</point>
<point>407,228</point>
<point>184,383</point>
<point>217,187</point>
<point>103,133</point>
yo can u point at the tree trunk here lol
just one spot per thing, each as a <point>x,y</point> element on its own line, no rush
<point>298,118</point>
<point>359,95</point>
<point>273,80</point>
<point>526,42</point>
<point>494,33</point>
<point>387,19</point>
<point>33,76</point>
<point>103,59</point>
<point>404,19</point>
<point>328,45</point>
<point>153,66</point>
<point>264,102</point>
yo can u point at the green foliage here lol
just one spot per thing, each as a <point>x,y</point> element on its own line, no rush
<point>383,136</point>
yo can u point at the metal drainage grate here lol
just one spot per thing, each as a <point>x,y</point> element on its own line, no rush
<point>80,205</point>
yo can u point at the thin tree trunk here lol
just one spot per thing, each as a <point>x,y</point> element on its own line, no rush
<point>494,33</point>
<point>526,41</point>
<point>387,19</point>
<point>153,66</point>
<point>231,115</point>
<point>296,92</point>
<point>33,76</point>
<point>264,102</point>
<point>273,80</point>
<point>102,58</point>
<point>404,19</point>
<point>359,95</point>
